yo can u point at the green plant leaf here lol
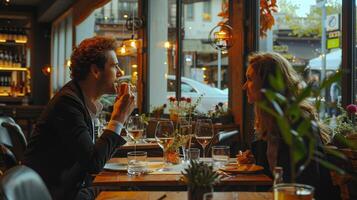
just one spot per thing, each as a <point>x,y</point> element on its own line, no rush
<point>328,81</point>
<point>329,165</point>
<point>277,81</point>
<point>335,153</point>
<point>306,92</point>
<point>285,130</point>
<point>263,106</point>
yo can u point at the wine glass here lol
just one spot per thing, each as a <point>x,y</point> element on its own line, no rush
<point>164,135</point>
<point>135,128</point>
<point>204,133</point>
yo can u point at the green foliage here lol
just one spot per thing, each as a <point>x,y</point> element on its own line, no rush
<point>200,175</point>
<point>309,25</point>
<point>219,110</point>
<point>144,119</point>
<point>344,125</point>
<point>295,126</point>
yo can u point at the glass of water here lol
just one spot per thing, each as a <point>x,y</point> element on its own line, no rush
<point>137,162</point>
<point>192,154</point>
<point>220,155</point>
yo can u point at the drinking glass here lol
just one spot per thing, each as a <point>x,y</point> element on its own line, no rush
<point>204,133</point>
<point>135,128</point>
<point>293,191</point>
<point>220,155</point>
<point>192,154</point>
<point>164,135</point>
<point>137,164</point>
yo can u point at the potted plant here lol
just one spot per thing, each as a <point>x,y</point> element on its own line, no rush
<point>298,130</point>
<point>220,114</point>
<point>344,128</point>
<point>158,111</point>
<point>200,179</point>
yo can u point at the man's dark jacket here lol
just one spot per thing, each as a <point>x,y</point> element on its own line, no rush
<point>61,148</point>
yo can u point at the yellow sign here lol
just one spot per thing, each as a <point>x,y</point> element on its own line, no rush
<point>334,34</point>
<point>333,43</point>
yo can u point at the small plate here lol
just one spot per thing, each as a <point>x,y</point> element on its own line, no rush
<point>116,167</point>
<point>150,140</point>
<point>242,169</point>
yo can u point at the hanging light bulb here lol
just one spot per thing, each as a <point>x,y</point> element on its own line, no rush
<point>122,49</point>
<point>167,44</point>
<point>133,43</point>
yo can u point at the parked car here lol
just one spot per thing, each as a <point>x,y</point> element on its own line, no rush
<point>189,88</point>
<point>194,89</point>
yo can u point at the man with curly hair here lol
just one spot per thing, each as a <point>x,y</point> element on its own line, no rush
<point>62,148</point>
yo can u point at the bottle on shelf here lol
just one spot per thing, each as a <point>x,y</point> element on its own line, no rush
<point>2,34</point>
<point>6,59</point>
<point>278,175</point>
<point>1,58</point>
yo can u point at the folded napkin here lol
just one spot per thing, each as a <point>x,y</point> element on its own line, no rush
<point>156,168</point>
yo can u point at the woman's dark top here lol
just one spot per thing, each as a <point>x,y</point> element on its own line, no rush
<point>314,174</point>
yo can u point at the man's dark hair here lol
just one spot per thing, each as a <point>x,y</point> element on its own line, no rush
<point>90,51</point>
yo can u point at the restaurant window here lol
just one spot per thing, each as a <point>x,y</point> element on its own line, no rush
<point>206,15</point>
<point>190,11</point>
<point>199,71</point>
<point>162,48</point>
<point>200,68</point>
<point>110,20</point>
<point>298,35</point>
<point>61,52</point>
<point>355,56</point>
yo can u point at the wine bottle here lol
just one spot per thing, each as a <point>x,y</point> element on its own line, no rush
<point>278,175</point>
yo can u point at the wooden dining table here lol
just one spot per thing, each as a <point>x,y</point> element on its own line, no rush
<point>145,195</point>
<point>165,182</point>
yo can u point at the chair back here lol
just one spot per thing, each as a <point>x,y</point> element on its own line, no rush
<point>4,134</point>
<point>151,127</point>
<point>17,137</point>
<point>7,158</point>
<point>226,138</point>
<point>22,183</point>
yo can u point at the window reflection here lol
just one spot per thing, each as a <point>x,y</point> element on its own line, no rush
<point>297,35</point>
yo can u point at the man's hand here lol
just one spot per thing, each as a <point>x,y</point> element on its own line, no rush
<point>124,103</point>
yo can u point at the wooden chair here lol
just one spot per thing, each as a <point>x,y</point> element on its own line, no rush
<point>226,138</point>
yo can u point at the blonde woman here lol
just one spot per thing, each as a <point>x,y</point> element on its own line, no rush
<point>270,150</point>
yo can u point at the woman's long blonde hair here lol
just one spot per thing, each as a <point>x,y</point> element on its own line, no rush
<point>267,64</point>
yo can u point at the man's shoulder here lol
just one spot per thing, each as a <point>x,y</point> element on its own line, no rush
<point>68,94</point>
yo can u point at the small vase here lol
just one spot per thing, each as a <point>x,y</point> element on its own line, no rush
<point>197,194</point>
<point>172,157</point>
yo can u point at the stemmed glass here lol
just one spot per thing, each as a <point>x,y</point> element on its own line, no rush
<point>204,133</point>
<point>164,135</point>
<point>135,128</point>
<point>185,132</point>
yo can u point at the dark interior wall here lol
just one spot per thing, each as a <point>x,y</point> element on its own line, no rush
<point>40,57</point>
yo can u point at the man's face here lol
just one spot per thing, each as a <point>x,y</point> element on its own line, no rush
<point>110,74</point>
